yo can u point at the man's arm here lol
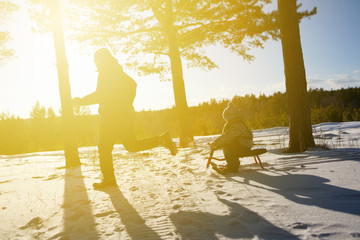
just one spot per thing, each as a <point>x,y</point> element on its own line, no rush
<point>90,99</point>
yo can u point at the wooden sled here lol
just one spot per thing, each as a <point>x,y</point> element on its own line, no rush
<point>252,153</point>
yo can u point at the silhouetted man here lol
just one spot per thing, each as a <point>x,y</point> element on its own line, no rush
<point>115,94</point>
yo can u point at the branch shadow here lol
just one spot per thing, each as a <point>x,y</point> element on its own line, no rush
<point>79,221</point>
<point>134,224</point>
<point>240,223</point>
<point>316,157</point>
<point>309,190</point>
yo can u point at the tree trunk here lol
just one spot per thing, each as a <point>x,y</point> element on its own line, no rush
<point>186,135</point>
<point>300,127</point>
<point>70,146</point>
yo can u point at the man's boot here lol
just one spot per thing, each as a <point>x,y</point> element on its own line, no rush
<point>106,182</point>
<point>167,142</point>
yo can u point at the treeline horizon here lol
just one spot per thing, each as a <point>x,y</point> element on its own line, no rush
<point>43,131</point>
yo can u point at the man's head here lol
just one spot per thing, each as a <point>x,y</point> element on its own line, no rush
<point>103,58</point>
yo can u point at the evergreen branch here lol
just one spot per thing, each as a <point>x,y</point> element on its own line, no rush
<point>124,34</point>
<point>157,13</point>
<point>202,25</point>
<point>161,53</point>
<point>184,6</point>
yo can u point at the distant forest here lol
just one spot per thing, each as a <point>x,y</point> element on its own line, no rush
<point>43,131</point>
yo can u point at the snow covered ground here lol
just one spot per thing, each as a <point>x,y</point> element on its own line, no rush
<point>312,195</point>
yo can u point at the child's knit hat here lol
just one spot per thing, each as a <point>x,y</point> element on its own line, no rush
<point>232,112</point>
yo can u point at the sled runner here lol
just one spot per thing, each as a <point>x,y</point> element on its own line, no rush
<point>252,153</point>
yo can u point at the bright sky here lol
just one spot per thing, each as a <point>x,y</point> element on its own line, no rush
<point>330,42</point>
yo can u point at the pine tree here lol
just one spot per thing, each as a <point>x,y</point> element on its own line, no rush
<point>300,128</point>
<point>6,8</point>
<point>48,17</point>
<point>38,111</point>
<point>158,36</point>
<point>70,145</point>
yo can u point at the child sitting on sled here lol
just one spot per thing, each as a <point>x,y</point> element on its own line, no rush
<point>235,139</point>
